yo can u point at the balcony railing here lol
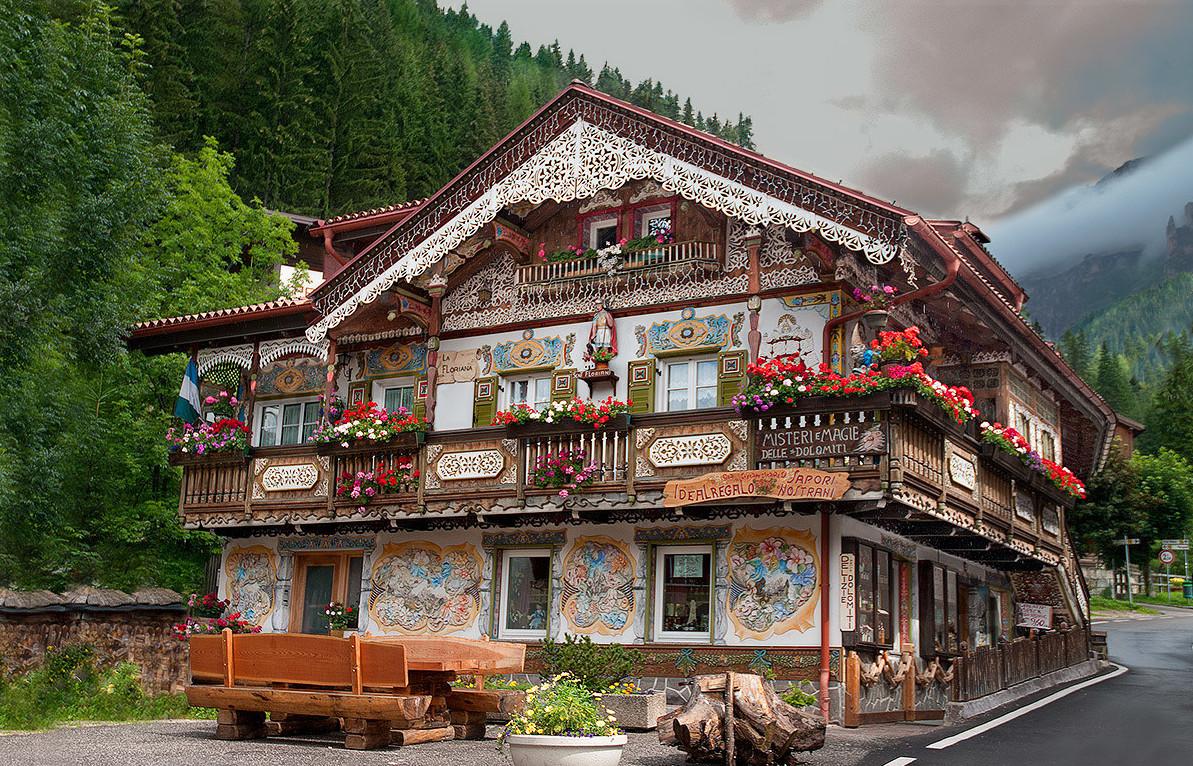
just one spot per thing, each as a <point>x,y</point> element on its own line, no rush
<point>693,253</point>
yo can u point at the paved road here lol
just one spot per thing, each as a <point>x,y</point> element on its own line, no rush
<point>1143,716</point>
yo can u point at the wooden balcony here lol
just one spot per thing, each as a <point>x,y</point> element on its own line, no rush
<point>706,255</point>
<point>910,469</point>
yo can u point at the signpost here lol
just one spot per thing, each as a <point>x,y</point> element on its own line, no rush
<point>1166,558</point>
<point>1169,547</point>
<point>1127,542</point>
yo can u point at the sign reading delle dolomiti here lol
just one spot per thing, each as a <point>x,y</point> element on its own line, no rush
<point>1038,616</point>
<point>792,484</point>
<point>814,441</point>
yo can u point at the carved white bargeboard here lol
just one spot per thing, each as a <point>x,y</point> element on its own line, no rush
<point>697,449</point>
<point>475,464</point>
<point>283,478</point>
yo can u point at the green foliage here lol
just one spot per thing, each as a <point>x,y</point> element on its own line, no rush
<point>69,687</point>
<point>561,707</point>
<point>795,696</point>
<point>596,666</point>
<point>1170,419</point>
<point>1104,604</point>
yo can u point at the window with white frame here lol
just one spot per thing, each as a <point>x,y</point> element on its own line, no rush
<point>683,593</point>
<point>285,423</point>
<point>602,232</point>
<point>525,589</point>
<point>532,391</point>
<point>395,393</point>
<point>690,384</point>
<point>656,222</point>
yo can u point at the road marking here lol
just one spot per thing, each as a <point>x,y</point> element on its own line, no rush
<point>983,728</point>
<point>900,761</point>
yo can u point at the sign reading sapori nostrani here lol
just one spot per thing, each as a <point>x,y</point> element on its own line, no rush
<point>789,484</point>
<point>808,442</point>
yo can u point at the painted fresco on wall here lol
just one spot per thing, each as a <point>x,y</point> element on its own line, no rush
<point>251,574</point>
<point>529,353</point>
<point>598,586</point>
<point>773,581</point>
<point>397,358</point>
<point>302,375</point>
<point>689,333</point>
<point>419,587</point>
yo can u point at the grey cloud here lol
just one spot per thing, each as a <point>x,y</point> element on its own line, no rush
<point>775,10</point>
<point>930,185</point>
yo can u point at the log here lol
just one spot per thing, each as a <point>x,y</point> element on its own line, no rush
<point>766,730</point>
<point>240,724</point>
<point>366,734</point>
<point>290,723</point>
<point>507,702</point>
<point>402,737</point>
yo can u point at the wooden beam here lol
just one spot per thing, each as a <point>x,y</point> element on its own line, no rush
<point>487,700</point>
<point>390,707</point>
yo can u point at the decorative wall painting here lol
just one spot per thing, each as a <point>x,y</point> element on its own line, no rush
<point>774,579</point>
<point>397,358</point>
<point>251,575</point>
<point>529,353</point>
<point>300,375</point>
<point>689,333</point>
<point>598,586</point>
<point>419,587</point>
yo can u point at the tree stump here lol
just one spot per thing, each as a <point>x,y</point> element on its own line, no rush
<point>766,730</point>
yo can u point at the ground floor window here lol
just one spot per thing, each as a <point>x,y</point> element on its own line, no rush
<point>683,593</point>
<point>939,611</point>
<point>875,583</point>
<point>526,596</point>
<point>320,579</point>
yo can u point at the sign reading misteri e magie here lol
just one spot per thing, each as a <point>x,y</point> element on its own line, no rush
<point>816,441</point>
<point>788,484</point>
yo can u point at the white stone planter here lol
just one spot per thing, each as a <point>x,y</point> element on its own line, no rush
<point>541,750</point>
<point>635,711</point>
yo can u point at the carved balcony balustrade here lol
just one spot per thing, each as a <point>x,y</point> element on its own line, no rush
<point>686,255</point>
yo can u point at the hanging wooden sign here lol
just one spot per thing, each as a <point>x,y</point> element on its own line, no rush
<point>848,592</point>
<point>789,484</point>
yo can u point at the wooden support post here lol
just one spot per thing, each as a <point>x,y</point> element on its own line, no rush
<point>909,683</point>
<point>229,671</point>
<point>366,734</point>
<point>730,745</point>
<point>853,691</point>
<point>240,724</point>
<point>357,678</point>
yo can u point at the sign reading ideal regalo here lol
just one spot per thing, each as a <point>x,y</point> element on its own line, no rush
<point>1038,616</point>
<point>791,484</point>
<point>848,592</point>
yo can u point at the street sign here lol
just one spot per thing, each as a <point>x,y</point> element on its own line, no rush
<point>1174,542</point>
<point>1167,557</point>
<point>1175,546</point>
<point>1129,541</point>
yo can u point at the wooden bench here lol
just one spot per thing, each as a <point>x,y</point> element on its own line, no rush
<point>305,678</point>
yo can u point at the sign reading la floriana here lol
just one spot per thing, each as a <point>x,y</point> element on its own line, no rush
<point>789,484</point>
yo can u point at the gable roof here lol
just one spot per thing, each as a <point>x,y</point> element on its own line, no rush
<point>642,144</point>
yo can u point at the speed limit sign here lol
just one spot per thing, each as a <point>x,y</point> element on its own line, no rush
<point>1167,557</point>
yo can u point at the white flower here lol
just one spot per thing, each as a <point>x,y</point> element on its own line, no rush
<point>787,381</point>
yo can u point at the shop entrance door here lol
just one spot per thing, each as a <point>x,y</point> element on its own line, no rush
<point>320,579</point>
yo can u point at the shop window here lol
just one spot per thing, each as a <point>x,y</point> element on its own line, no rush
<point>874,580</point>
<point>285,423</point>
<point>690,384</point>
<point>525,588</point>
<point>533,392</point>
<point>939,610</point>
<point>683,593</point>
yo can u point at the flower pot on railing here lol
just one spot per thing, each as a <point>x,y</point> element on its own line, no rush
<point>876,320</point>
<point>407,441</point>
<point>567,426</point>
<point>177,457</point>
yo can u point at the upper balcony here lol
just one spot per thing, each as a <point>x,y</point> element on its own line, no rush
<point>687,255</point>
<point>909,468</point>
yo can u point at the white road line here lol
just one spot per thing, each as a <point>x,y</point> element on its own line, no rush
<point>900,761</point>
<point>983,728</point>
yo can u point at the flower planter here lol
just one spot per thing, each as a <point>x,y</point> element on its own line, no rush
<point>568,426</point>
<point>542,750</point>
<point>407,441</point>
<point>207,458</point>
<point>876,320</point>
<point>635,711</point>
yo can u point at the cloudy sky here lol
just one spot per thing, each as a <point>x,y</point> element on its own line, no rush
<point>950,107</point>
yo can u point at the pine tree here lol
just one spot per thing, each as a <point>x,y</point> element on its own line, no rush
<point>1170,418</point>
<point>1112,381</point>
<point>1075,348</point>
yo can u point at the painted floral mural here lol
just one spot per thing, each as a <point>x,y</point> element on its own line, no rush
<point>598,586</point>
<point>773,579</point>
<point>251,577</point>
<point>419,587</point>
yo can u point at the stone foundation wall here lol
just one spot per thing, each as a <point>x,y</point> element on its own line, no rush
<point>140,636</point>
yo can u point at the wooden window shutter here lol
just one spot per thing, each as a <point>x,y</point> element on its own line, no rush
<point>642,385</point>
<point>420,396</point>
<point>484,401</point>
<point>563,385</point>
<point>731,376</point>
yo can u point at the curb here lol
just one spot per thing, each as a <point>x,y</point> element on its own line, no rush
<point>959,711</point>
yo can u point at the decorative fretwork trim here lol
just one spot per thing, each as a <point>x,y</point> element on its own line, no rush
<point>272,350</point>
<point>577,164</point>
<point>241,356</point>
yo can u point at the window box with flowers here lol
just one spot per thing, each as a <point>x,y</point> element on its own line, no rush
<point>1005,443</point>
<point>362,488</point>
<point>366,426</point>
<point>224,438</point>
<point>564,470</point>
<point>574,416</point>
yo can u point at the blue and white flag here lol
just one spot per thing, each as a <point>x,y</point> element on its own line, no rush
<point>188,407</point>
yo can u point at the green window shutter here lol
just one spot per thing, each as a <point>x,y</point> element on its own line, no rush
<point>563,385</point>
<point>642,385</point>
<point>484,401</point>
<point>731,376</point>
<point>420,396</point>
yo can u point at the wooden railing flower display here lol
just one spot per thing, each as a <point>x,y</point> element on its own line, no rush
<point>595,414</point>
<point>780,381</point>
<point>209,605</point>
<point>368,423</point>
<point>223,436</point>
<point>363,487</point>
<point>566,470</point>
<point>234,622</point>
<point>1014,443</point>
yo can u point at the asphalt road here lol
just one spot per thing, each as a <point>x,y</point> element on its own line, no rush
<point>1141,717</point>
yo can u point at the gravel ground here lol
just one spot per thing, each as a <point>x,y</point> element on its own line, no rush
<point>191,743</point>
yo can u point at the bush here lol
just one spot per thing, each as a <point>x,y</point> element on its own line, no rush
<point>561,707</point>
<point>795,696</point>
<point>596,666</point>
<point>69,687</point>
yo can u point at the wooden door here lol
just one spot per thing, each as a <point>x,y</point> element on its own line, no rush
<point>319,579</point>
